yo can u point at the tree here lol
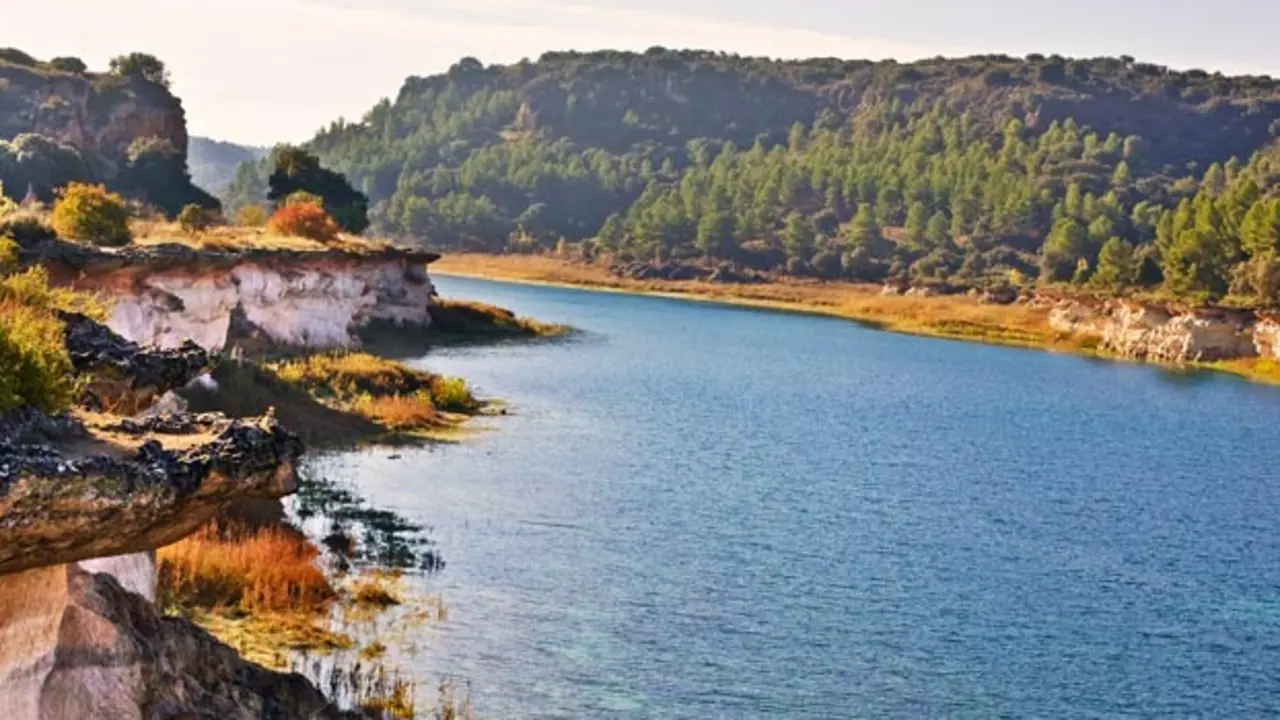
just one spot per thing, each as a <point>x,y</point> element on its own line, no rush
<point>140,65</point>
<point>797,236</point>
<point>194,219</point>
<point>935,233</point>
<point>156,172</point>
<point>69,65</point>
<point>90,213</point>
<point>1063,250</point>
<point>296,169</point>
<point>1116,265</point>
<point>715,234</point>
<point>251,216</point>
<point>916,221</point>
<point>1260,229</point>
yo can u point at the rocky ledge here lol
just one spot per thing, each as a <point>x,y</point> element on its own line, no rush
<point>135,494</point>
<point>1163,333</point>
<point>85,499</point>
<point>173,294</point>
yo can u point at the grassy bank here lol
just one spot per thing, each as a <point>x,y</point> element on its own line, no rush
<point>955,317</point>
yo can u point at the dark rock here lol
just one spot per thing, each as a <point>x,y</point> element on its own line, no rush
<point>1004,295</point>
<point>93,347</point>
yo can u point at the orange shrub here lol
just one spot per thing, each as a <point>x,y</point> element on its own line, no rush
<point>304,220</point>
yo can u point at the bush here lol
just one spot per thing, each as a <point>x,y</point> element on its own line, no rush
<point>194,219</point>
<point>8,254</point>
<point>89,212</point>
<point>251,216</point>
<point>25,226</point>
<point>35,369</point>
<point>451,394</point>
<point>304,220</point>
<point>302,197</point>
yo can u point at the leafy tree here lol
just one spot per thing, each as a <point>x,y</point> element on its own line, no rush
<point>69,64</point>
<point>715,235</point>
<point>141,65</point>
<point>296,169</point>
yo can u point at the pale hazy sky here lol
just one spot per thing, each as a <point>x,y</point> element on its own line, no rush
<point>262,71</point>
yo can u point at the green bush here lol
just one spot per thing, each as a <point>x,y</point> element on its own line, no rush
<point>8,254</point>
<point>89,212</point>
<point>35,369</point>
<point>194,219</point>
<point>451,394</point>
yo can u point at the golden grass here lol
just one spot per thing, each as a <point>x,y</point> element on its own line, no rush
<point>386,392</point>
<point>272,569</point>
<point>957,317</point>
<point>231,238</point>
<point>379,589</point>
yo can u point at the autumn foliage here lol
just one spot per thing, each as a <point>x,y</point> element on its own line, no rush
<point>305,220</point>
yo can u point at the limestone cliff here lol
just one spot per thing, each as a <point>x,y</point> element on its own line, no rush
<point>1161,333</point>
<point>169,294</point>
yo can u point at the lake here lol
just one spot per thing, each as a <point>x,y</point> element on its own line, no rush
<point>697,511</point>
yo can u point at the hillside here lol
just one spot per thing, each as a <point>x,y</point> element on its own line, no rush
<point>61,123</point>
<point>213,163</point>
<point>1107,170</point>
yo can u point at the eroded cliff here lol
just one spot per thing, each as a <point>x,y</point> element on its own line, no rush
<point>85,499</point>
<point>1167,334</point>
<point>169,294</point>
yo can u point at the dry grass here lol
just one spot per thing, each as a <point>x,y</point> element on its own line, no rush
<point>958,317</point>
<point>229,238</point>
<point>386,392</point>
<point>268,570</point>
<point>467,318</point>
<point>378,589</point>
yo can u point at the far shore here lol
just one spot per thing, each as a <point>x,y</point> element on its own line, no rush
<point>954,317</point>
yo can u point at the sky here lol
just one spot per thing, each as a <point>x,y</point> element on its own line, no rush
<point>267,71</point>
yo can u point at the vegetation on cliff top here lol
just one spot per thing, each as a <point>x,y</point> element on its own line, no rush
<point>78,109</point>
<point>1106,172</point>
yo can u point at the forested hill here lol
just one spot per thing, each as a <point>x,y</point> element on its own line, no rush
<point>213,163</point>
<point>1109,170</point>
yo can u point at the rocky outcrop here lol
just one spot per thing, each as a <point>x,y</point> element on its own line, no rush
<point>169,294</point>
<point>84,500</point>
<point>57,507</point>
<point>93,347</point>
<point>1148,331</point>
<point>76,645</point>
<point>101,115</point>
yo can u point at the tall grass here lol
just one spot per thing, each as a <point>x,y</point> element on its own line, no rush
<point>272,569</point>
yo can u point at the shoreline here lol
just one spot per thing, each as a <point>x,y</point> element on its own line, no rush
<point>957,318</point>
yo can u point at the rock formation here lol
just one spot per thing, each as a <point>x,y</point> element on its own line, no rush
<point>1159,333</point>
<point>169,294</point>
<point>101,115</point>
<point>84,500</point>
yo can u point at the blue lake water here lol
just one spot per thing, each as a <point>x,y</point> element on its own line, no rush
<point>696,511</point>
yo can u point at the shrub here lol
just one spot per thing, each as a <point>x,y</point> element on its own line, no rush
<point>17,57</point>
<point>26,226</point>
<point>451,394</point>
<point>31,288</point>
<point>35,369</point>
<point>89,212</point>
<point>304,220</point>
<point>8,254</point>
<point>251,216</point>
<point>302,197</point>
<point>194,219</point>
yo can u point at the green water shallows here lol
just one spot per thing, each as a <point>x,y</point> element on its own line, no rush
<point>698,511</point>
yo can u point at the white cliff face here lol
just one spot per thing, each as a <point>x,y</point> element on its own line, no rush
<point>1148,332</point>
<point>316,306</point>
